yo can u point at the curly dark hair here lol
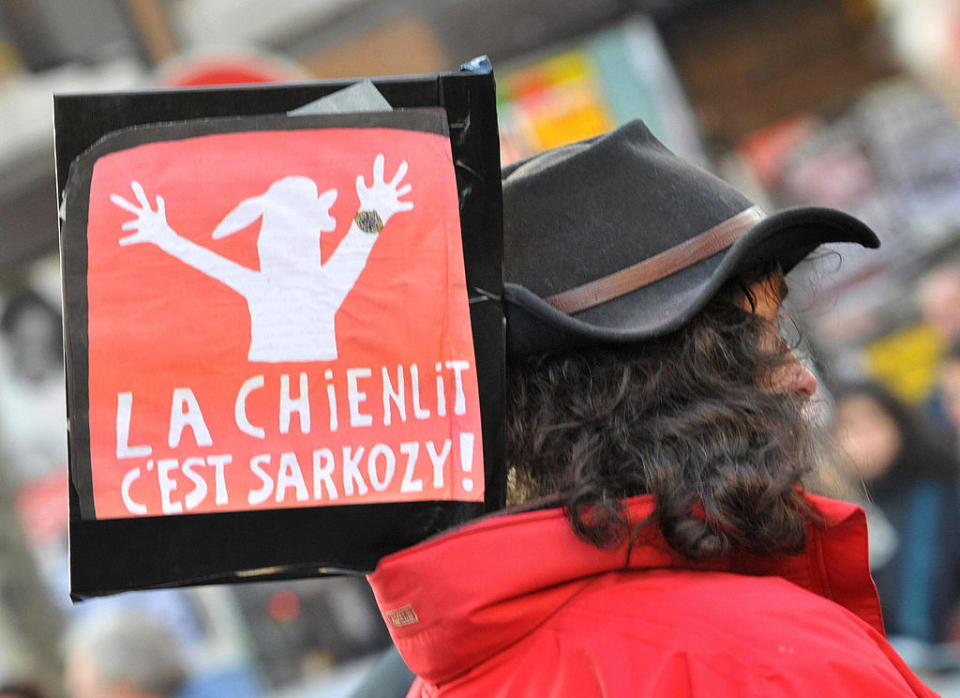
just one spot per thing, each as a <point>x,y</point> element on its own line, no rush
<point>686,418</point>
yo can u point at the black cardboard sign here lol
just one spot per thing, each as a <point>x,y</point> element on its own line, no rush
<point>294,528</point>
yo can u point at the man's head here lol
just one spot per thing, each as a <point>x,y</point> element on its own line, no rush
<point>709,416</point>
<point>642,299</point>
<point>122,655</point>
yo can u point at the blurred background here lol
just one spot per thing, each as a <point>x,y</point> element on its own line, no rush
<point>853,104</point>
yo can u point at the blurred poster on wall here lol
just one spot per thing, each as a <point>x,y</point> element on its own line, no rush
<point>914,139</point>
<point>586,87</point>
<point>551,103</point>
<point>891,157</point>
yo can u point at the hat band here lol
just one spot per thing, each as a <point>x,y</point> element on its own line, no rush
<point>668,262</point>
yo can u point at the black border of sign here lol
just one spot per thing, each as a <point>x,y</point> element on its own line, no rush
<point>115,555</point>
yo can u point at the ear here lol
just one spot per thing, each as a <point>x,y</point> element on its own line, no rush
<point>326,199</point>
<point>244,214</point>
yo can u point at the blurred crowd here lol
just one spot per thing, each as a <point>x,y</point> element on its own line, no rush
<point>907,460</point>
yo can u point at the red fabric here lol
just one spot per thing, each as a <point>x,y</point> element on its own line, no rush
<point>516,605</point>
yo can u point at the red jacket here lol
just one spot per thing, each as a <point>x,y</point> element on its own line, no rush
<point>516,605</point>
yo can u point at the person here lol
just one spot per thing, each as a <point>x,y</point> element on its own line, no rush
<point>947,395</point>
<point>32,400</point>
<point>662,540</point>
<point>123,654</point>
<point>910,476</point>
<point>32,327</point>
<point>938,299</point>
<point>938,295</point>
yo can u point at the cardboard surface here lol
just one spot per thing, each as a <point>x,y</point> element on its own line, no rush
<point>137,380</point>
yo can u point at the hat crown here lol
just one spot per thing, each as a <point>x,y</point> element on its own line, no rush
<point>583,211</point>
<point>616,239</point>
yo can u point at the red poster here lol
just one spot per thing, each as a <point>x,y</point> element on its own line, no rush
<point>279,319</point>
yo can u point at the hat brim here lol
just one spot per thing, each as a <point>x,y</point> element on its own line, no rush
<point>786,237</point>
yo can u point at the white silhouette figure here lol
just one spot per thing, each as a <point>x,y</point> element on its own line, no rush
<point>294,297</point>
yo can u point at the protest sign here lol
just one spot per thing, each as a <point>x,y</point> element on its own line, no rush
<point>278,322</point>
<point>312,356</point>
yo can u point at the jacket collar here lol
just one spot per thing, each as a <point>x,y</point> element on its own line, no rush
<point>454,600</point>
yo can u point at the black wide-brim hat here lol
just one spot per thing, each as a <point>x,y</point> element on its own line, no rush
<point>617,240</point>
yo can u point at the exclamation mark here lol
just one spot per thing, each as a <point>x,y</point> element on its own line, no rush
<point>466,459</point>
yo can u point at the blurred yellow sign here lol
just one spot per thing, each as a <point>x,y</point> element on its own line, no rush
<point>906,361</point>
<point>552,103</point>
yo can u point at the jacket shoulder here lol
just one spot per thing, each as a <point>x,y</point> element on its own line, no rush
<point>684,633</point>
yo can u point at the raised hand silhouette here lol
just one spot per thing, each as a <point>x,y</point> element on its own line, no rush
<point>382,196</point>
<point>151,226</point>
